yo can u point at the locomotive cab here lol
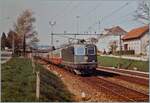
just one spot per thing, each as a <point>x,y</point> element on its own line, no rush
<point>85,57</point>
<point>81,57</point>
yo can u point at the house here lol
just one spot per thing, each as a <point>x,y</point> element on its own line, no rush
<point>137,39</point>
<point>110,36</point>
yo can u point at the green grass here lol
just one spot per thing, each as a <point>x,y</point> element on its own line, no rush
<point>125,63</point>
<point>18,83</point>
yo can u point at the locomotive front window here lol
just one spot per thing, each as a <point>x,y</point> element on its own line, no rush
<point>80,51</point>
<point>91,51</point>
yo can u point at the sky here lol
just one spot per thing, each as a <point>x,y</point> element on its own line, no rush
<point>64,12</point>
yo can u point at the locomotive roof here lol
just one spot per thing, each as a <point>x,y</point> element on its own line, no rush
<point>72,45</point>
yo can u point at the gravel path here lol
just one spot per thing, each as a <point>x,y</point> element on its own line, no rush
<point>86,88</point>
<point>82,90</point>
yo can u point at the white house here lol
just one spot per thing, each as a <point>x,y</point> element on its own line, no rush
<point>138,40</point>
<point>108,36</point>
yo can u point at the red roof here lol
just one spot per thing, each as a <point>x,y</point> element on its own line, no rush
<point>136,33</point>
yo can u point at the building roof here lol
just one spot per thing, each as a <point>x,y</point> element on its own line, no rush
<point>136,33</point>
<point>117,30</point>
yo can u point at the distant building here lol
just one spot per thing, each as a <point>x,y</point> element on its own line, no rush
<point>137,39</point>
<point>110,36</point>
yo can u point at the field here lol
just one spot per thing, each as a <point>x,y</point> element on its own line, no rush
<point>125,63</point>
<point>19,82</point>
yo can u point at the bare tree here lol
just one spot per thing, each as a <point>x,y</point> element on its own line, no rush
<point>24,27</point>
<point>142,12</point>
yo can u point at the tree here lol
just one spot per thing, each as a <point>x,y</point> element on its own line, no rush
<point>17,40</point>
<point>24,28</point>
<point>3,41</point>
<point>142,12</point>
<point>10,39</point>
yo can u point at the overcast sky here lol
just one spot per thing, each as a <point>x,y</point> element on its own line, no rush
<point>109,12</point>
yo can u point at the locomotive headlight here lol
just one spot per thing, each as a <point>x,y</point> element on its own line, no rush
<point>93,60</point>
<point>85,58</point>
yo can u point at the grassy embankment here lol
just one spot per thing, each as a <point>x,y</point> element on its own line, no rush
<point>125,63</point>
<point>18,83</point>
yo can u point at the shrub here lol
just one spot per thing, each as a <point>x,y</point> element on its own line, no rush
<point>125,52</point>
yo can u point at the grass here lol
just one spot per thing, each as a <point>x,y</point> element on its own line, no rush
<point>18,83</point>
<point>125,63</point>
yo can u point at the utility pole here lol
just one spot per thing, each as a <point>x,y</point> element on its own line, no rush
<point>99,26</point>
<point>120,44</point>
<point>37,74</point>
<point>33,63</point>
<point>37,85</point>
<point>77,25</point>
<point>120,53</point>
<point>13,44</point>
<point>52,24</point>
<point>90,30</point>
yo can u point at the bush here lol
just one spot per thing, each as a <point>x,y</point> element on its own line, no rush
<point>125,52</point>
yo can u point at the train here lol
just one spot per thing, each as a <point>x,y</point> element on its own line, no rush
<point>77,58</point>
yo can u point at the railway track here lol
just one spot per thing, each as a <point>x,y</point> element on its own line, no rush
<point>130,72</point>
<point>115,83</point>
<point>114,90</point>
<point>134,78</point>
<point>121,92</point>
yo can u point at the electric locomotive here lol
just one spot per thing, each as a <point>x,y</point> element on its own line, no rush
<point>79,58</point>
